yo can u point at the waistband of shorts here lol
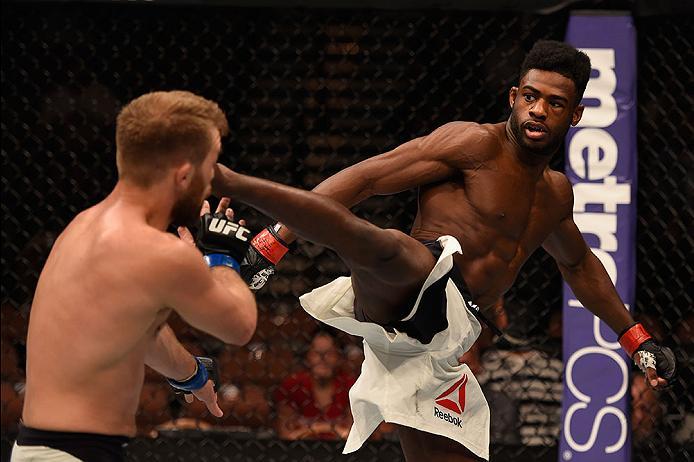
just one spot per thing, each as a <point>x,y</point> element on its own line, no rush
<point>456,276</point>
<point>85,446</point>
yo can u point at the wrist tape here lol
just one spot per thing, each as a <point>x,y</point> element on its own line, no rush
<point>270,245</point>
<point>196,382</point>
<point>220,259</point>
<point>632,337</point>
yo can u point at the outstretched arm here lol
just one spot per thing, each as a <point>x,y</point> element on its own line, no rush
<point>586,275</point>
<point>593,287</point>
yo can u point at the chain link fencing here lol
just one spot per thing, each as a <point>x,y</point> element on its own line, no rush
<point>309,92</point>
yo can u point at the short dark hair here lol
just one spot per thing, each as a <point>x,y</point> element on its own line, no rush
<point>562,58</point>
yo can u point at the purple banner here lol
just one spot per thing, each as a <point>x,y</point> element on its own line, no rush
<point>601,164</point>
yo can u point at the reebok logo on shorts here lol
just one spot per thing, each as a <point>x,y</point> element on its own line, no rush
<point>222,226</point>
<point>452,399</point>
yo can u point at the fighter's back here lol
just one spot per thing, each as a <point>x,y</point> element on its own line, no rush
<point>499,208</point>
<point>95,291</point>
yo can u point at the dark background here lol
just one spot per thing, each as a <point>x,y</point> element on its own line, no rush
<point>309,91</point>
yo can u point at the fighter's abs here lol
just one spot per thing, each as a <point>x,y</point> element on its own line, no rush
<point>495,245</point>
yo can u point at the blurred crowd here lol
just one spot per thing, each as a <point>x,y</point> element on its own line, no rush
<point>294,377</point>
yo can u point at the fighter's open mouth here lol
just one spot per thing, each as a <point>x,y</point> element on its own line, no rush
<point>535,131</point>
<point>536,128</point>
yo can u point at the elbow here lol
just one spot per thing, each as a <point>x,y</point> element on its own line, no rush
<point>244,326</point>
<point>575,270</point>
<point>248,331</point>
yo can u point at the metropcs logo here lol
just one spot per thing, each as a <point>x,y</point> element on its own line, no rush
<point>447,400</point>
<point>593,155</point>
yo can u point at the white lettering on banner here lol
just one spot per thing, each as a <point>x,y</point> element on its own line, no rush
<point>594,430</point>
<point>584,399</point>
<point>608,193</point>
<point>595,350</point>
<point>602,225</point>
<point>600,339</point>
<point>593,140</point>
<point>592,156</point>
<point>608,262</point>
<point>601,88</point>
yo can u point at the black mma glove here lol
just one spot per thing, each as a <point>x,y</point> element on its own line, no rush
<point>206,369</point>
<point>646,353</point>
<point>266,250</point>
<point>222,241</point>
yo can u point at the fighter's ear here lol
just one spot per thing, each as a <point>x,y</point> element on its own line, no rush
<point>578,113</point>
<point>183,175</point>
<point>512,93</point>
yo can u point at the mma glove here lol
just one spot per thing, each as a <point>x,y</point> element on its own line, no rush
<point>646,353</point>
<point>266,250</point>
<point>205,369</point>
<point>222,241</point>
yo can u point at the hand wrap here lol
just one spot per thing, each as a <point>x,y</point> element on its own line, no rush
<point>646,353</point>
<point>206,369</point>
<point>266,250</point>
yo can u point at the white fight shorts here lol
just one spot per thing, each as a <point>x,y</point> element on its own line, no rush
<point>40,454</point>
<point>404,381</point>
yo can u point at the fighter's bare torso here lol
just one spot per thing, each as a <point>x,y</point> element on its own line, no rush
<point>501,210</point>
<point>91,323</point>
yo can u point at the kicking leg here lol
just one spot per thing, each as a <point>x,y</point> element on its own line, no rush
<point>387,265</point>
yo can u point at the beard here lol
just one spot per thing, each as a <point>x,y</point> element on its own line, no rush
<point>186,210</point>
<point>545,148</point>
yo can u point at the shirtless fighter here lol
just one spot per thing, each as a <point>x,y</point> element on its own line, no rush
<point>486,188</point>
<point>114,275</point>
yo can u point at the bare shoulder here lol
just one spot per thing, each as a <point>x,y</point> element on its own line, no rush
<point>560,190</point>
<point>461,131</point>
<point>154,255</point>
<point>173,253</point>
<point>170,264</point>
<point>468,140</point>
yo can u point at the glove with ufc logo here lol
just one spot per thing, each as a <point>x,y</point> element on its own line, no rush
<point>222,241</point>
<point>657,362</point>
<point>266,250</point>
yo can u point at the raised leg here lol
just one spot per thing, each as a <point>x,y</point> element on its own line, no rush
<point>387,265</point>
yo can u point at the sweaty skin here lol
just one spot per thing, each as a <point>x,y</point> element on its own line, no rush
<point>487,185</point>
<point>110,281</point>
<point>490,187</point>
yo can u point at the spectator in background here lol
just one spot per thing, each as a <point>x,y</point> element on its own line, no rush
<point>244,405</point>
<point>314,403</point>
<point>522,379</point>
<point>473,357</point>
<point>646,411</point>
